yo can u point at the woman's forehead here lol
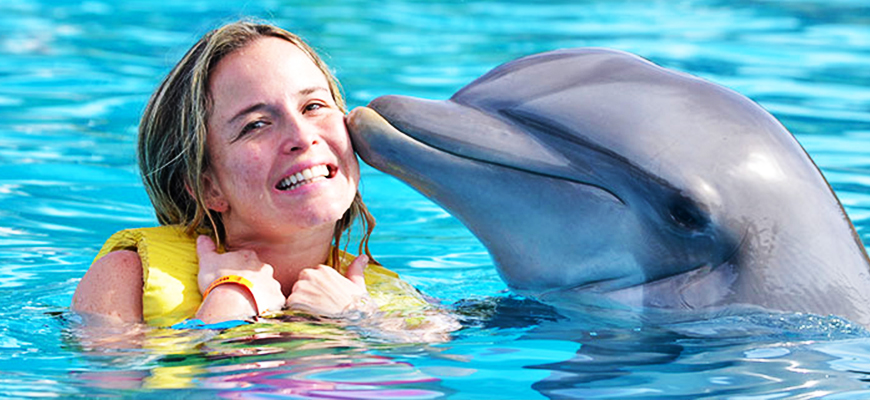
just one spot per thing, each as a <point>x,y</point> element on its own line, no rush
<point>268,67</point>
<point>268,57</point>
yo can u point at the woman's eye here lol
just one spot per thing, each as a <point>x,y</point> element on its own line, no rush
<point>252,126</point>
<point>313,107</point>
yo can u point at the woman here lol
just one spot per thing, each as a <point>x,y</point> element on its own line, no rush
<point>244,143</point>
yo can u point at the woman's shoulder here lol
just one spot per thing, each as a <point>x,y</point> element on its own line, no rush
<point>119,261</point>
<point>112,287</point>
<point>134,268</point>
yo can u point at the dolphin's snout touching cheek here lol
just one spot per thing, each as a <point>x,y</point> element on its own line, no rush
<point>370,130</point>
<point>594,173</point>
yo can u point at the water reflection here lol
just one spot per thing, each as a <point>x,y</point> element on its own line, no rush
<point>306,357</point>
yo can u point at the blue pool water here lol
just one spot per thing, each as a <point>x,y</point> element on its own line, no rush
<point>75,75</point>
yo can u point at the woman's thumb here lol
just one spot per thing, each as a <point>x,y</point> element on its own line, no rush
<point>356,271</point>
<point>205,246</point>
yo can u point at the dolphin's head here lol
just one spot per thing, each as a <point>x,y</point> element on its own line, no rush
<point>593,170</point>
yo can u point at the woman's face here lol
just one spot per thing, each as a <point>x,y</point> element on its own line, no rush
<point>281,159</point>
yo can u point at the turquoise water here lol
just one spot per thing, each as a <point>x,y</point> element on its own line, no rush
<point>74,77</point>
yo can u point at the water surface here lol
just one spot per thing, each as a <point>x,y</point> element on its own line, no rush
<point>74,77</point>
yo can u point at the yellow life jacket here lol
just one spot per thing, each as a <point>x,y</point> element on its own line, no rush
<point>170,293</point>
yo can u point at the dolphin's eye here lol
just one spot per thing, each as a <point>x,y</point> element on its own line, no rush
<point>686,215</point>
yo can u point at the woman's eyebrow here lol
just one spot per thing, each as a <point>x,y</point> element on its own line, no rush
<point>313,89</point>
<point>248,110</point>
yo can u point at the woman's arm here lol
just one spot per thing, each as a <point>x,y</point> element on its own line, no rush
<point>231,301</point>
<point>112,288</point>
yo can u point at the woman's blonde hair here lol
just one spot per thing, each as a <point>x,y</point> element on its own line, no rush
<point>172,135</point>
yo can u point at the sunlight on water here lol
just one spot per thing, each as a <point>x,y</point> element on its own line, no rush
<point>74,77</point>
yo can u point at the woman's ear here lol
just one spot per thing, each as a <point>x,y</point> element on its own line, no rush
<point>211,191</point>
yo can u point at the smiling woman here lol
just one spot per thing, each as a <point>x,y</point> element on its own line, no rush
<point>247,161</point>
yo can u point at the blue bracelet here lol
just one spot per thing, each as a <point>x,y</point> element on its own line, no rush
<point>198,324</point>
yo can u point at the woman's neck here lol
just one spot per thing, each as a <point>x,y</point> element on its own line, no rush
<point>288,254</point>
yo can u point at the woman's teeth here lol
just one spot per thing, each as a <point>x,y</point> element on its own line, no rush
<point>304,177</point>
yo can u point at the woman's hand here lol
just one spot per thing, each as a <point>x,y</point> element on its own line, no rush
<point>324,291</point>
<point>230,301</point>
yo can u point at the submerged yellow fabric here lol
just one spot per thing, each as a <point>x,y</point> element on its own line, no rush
<point>169,273</point>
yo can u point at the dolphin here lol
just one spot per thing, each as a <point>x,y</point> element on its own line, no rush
<point>593,175</point>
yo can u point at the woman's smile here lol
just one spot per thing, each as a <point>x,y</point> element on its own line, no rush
<point>307,176</point>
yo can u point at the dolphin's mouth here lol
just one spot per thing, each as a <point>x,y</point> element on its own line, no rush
<point>520,169</point>
<point>489,141</point>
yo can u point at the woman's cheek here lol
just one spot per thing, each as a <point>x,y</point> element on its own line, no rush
<point>246,170</point>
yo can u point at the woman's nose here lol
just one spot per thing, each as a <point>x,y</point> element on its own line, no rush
<point>298,136</point>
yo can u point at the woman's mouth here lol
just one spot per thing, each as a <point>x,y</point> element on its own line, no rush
<point>306,176</point>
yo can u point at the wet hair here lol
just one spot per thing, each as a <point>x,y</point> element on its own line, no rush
<point>173,156</point>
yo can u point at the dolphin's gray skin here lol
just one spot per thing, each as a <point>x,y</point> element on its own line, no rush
<point>595,175</point>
